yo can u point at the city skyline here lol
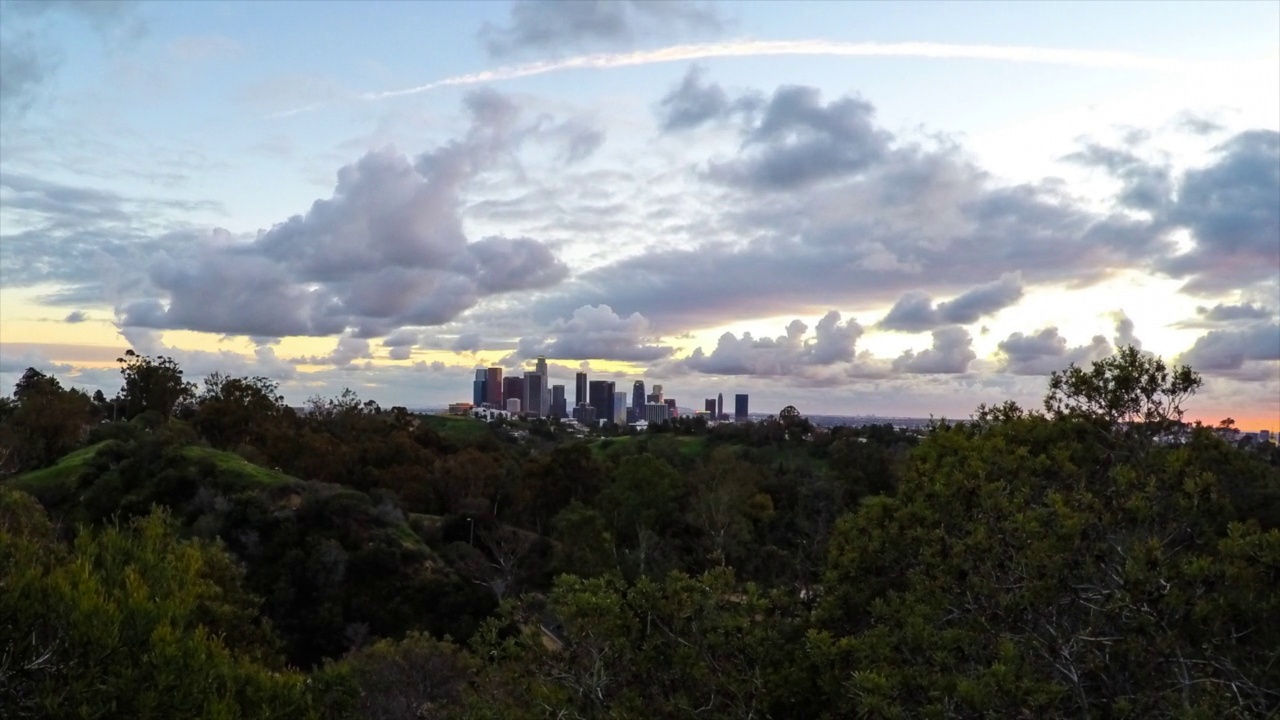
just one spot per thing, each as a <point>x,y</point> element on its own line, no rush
<point>881,208</point>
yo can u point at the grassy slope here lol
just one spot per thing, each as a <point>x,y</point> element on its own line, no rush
<point>462,430</point>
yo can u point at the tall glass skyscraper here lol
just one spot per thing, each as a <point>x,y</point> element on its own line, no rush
<point>637,396</point>
<point>740,407</point>
<point>580,389</point>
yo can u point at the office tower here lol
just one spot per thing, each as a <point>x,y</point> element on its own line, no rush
<point>656,395</point>
<point>585,414</point>
<point>493,387</point>
<point>740,407</point>
<point>558,405</point>
<point>620,408</point>
<point>710,406</point>
<point>637,396</point>
<point>600,396</point>
<point>534,391</point>
<point>513,387</point>
<point>671,407</point>
<point>513,405</point>
<point>579,389</point>
<point>540,367</point>
<point>720,406</point>
<point>657,413</point>
<point>477,388</point>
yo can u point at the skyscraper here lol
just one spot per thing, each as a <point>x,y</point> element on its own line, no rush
<point>513,389</point>
<point>600,395</point>
<point>534,391</point>
<point>493,387</point>
<point>477,388</point>
<point>559,407</point>
<point>720,406</point>
<point>710,406</point>
<point>620,408</point>
<point>579,389</point>
<point>656,395</point>
<point>637,396</point>
<point>672,410</point>
<point>540,367</point>
<point>740,407</point>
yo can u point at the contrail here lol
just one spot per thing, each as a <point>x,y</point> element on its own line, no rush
<point>757,48</point>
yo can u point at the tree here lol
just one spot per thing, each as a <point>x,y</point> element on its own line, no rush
<point>45,422</point>
<point>1128,388</point>
<point>233,411</point>
<point>152,385</point>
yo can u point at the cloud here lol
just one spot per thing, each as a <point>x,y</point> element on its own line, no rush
<point>386,250</point>
<point>1046,352</point>
<point>1124,331</point>
<point>551,25</point>
<point>692,102</point>
<point>28,55</point>
<point>915,312</point>
<point>1222,314</point>
<point>799,141</point>
<point>1232,209</point>
<point>1069,57</point>
<point>1145,186</point>
<point>951,353</point>
<point>76,316</point>
<point>1228,350</point>
<point>793,354</point>
<point>596,333</point>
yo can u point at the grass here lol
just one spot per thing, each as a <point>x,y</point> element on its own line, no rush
<point>57,480</point>
<point>459,429</point>
<point>238,470</point>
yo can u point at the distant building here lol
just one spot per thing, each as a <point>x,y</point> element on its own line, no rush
<point>600,396</point>
<point>740,407</point>
<point>637,397</point>
<point>462,408</point>
<point>540,367</point>
<point>620,408</point>
<point>477,388</point>
<point>579,389</point>
<point>559,407</point>
<point>656,395</point>
<point>671,406</point>
<point>513,405</point>
<point>709,405</point>
<point>657,413</point>
<point>493,386</point>
<point>585,414</point>
<point>1264,437</point>
<point>534,392</point>
<point>513,387</point>
<point>720,406</point>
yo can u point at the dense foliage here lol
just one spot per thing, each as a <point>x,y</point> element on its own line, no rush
<point>210,552</point>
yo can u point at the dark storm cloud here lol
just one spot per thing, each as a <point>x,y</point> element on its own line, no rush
<point>1232,209</point>
<point>799,141</point>
<point>951,353</point>
<point>556,26</point>
<point>915,312</point>
<point>596,333</point>
<point>1226,351</point>
<point>1046,351</point>
<point>386,250</point>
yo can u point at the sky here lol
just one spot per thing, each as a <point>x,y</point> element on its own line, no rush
<point>897,209</point>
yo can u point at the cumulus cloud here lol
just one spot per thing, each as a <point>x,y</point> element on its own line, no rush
<point>596,333</point>
<point>1124,331</point>
<point>1232,209</point>
<point>386,250</point>
<point>551,25</point>
<point>798,141</point>
<point>1223,314</point>
<point>76,316</point>
<point>1228,350</point>
<point>793,354</point>
<point>693,102</point>
<point>950,354</point>
<point>1046,351</point>
<point>915,311</point>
